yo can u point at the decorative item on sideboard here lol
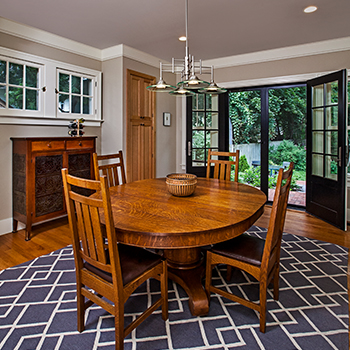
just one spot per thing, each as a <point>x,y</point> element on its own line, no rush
<point>75,127</point>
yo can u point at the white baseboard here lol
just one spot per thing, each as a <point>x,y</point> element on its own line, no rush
<point>6,226</point>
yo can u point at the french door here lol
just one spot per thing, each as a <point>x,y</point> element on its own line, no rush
<point>327,147</point>
<point>207,126</point>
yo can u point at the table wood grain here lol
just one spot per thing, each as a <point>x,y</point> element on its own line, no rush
<point>147,215</point>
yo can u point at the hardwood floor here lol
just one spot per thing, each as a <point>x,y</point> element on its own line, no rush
<point>54,235</point>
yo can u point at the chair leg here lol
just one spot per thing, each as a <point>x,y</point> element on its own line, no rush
<point>263,291</point>
<point>164,291</point>
<point>208,274</point>
<point>276,279</point>
<point>228,273</point>
<point>80,309</point>
<point>119,327</point>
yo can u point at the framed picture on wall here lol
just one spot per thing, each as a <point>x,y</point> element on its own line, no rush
<point>166,118</point>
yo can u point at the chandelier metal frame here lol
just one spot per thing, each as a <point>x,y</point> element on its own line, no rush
<point>188,67</point>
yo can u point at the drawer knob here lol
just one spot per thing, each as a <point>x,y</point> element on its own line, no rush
<point>80,144</point>
<point>49,144</point>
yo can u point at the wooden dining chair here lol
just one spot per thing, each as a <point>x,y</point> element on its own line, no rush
<point>112,166</point>
<point>222,164</point>
<point>105,269</point>
<point>258,257</point>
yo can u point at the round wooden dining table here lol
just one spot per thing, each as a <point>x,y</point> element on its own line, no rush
<point>147,215</point>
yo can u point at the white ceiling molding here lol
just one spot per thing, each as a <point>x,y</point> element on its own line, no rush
<point>288,79</point>
<point>46,38</point>
<point>321,47</point>
<point>127,51</point>
<point>56,41</point>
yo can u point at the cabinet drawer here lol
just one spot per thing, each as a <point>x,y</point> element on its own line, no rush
<point>47,145</point>
<point>79,144</point>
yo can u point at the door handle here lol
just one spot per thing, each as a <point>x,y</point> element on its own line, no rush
<point>189,148</point>
<point>339,157</point>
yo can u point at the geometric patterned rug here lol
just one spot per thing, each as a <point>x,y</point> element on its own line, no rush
<point>38,309</point>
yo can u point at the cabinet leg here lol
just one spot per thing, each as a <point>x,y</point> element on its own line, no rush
<point>14,225</point>
<point>28,232</point>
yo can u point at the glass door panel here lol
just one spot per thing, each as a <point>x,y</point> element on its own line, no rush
<point>327,140</point>
<point>325,133</point>
<point>205,128</point>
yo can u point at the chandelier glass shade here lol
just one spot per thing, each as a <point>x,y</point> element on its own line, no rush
<point>188,68</point>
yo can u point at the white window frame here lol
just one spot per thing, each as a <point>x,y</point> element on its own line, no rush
<point>20,112</point>
<point>47,114</point>
<point>93,96</point>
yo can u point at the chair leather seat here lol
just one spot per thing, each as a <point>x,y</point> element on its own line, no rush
<point>244,248</point>
<point>133,261</point>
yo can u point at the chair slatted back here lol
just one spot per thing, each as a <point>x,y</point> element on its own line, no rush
<point>111,166</point>
<point>223,164</point>
<point>278,214</point>
<point>84,215</point>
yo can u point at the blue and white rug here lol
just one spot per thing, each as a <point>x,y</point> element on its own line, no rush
<point>38,309</point>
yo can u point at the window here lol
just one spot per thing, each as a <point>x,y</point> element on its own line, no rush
<point>42,91</point>
<point>19,86</point>
<point>75,93</point>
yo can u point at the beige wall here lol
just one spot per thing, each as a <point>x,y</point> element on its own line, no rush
<point>7,131</point>
<point>112,107</point>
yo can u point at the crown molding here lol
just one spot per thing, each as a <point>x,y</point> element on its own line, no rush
<point>288,79</point>
<point>316,48</point>
<point>42,37</point>
<point>58,42</point>
<point>123,50</point>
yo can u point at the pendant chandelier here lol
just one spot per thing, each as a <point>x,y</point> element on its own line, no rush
<point>189,68</point>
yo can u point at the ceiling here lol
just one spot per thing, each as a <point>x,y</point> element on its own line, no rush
<point>217,28</point>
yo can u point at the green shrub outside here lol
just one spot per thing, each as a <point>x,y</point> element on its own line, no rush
<point>287,151</point>
<point>252,177</point>
<point>243,163</point>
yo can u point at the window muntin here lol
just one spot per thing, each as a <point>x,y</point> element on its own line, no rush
<point>19,85</point>
<point>75,93</point>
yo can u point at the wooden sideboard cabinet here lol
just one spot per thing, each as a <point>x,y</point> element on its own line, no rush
<point>37,188</point>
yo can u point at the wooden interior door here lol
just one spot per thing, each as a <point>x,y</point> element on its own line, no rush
<point>140,147</point>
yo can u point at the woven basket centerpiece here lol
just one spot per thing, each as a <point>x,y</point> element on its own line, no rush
<point>181,185</point>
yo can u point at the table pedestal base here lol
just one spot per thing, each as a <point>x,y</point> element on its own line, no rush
<point>186,267</point>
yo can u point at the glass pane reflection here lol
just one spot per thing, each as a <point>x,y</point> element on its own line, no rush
<point>75,104</point>
<point>317,119</point>
<point>332,92</point>
<point>317,141</point>
<point>317,96</point>
<point>2,96</point>
<point>63,103</point>
<point>332,117</point>
<point>212,139</point>
<point>331,171</point>
<point>15,98</point>
<point>63,82</point>
<point>2,71</point>
<point>197,120</point>
<point>15,74</point>
<point>87,105</point>
<point>76,84</point>
<point>212,120</point>
<point>32,99</point>
<point>32,76</point>
<point>317,165</point>
<point>332,142</point>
